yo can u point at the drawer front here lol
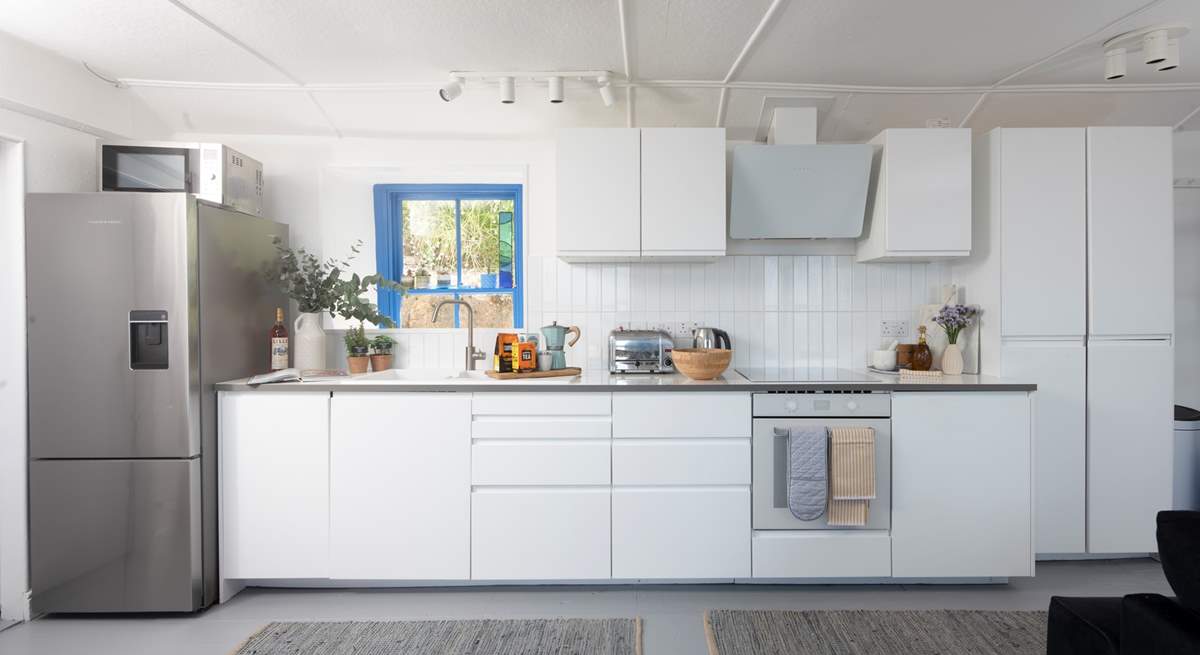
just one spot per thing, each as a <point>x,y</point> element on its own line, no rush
<point>555,403</point>
<point>540,534</point>
<point>681,415</point>
<point>522,462</point>
<point>680,461</point>
<point>813,554</point>
<point>694,532</point>
<point>541,427</point>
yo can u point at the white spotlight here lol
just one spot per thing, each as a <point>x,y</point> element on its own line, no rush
<point>606,94</point>
<point>452,89</point>
<point>1155,46</point>
<point>508,90</point>
<point>556,89</point>
<point>1172,60</point>
<point>1114,64</point>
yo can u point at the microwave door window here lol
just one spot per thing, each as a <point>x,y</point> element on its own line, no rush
<point>151,171</point>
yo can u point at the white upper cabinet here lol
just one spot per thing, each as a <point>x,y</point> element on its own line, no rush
<point>599,193</point>
<point>1039,198</point>
<point>920,202</point>
<point>1130,231</point>
<point>683,191</point>
<point>626,193</point>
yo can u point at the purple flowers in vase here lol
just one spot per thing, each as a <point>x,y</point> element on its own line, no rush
<point>953,318</point>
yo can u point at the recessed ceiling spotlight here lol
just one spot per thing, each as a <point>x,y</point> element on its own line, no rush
<point>1172,60</point>
<point>1154,44</point>
<point>604,83</point>
<point>452,89</point>
<point>555,89</point>
<point>508,90</point>
<point>1114,64</point>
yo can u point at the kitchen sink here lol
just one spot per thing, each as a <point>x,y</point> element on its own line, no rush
<point>417,376</point>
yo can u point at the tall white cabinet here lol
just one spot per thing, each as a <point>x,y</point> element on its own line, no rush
<point>1074,270</point>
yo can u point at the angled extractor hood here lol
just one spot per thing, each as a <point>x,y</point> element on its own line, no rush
<point>813,191</point>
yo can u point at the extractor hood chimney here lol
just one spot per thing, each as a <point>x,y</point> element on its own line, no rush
<point>795,188</point>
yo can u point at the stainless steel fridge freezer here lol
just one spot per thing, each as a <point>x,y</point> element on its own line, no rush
<point>137,304</point>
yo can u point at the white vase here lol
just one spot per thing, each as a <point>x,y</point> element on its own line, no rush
<point>309,340</point>
<point>952,360</point>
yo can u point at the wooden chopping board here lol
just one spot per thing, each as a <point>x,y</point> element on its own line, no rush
<point>562,372</point>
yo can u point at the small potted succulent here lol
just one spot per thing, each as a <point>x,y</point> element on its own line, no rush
<point>381,352</point>
<point>421,279</point>
<point>357,350</point>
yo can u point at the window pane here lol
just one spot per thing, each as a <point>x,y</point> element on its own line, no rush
<point>416,311</point>
<point>430,253</point>
<point>493,310</point>
<point>487,243</point>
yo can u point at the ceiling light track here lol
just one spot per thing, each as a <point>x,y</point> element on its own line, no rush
<point>507,83</point>
<point>1159,45</point>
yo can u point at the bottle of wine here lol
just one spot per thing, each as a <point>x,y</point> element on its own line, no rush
<point>279,342</point>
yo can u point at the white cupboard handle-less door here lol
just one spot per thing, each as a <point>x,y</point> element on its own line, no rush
<point>400,486</point>
<point>683,191</point>
<point>599,192</point>
<point>540,533</point>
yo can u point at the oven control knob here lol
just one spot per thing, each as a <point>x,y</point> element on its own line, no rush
<point>791,406</point>
<point>852,405</point>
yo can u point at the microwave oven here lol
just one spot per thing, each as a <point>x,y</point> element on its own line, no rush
<point>212,171</point>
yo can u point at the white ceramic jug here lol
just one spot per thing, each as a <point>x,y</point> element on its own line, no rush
<point>309,342</point>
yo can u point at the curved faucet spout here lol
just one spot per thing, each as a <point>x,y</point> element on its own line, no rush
<point>472,355</point>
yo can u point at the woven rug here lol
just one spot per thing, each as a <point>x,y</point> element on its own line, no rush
<point>475,637</point>
<point>875,632</point>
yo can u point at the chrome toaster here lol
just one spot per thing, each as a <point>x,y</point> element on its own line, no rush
<point>640,351</point>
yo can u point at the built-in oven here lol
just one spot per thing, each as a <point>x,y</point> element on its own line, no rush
<point>212,171</point>
<point>776,413</point>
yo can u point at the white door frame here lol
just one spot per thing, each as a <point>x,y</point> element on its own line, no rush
<point>14,537</point>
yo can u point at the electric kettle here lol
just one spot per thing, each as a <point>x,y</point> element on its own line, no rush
<point>707,337</point>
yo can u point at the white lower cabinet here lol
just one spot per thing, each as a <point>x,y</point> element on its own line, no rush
<point>961,485</point>
<point>550,533</point>
<point>274,485</point>
<point>681,532</point>
<point>822,554</point>
<point>400,487</point>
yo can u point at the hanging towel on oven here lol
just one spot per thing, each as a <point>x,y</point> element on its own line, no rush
<point>852,475</point>
<point>808,471</point>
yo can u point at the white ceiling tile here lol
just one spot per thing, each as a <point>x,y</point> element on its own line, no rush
<point>134,39</point>
<point>217,111</point>
<point>672,107</point>
<point>1080,109</point>
<point>861,116</point>
<point>920,42</point>
<point>690,39</point>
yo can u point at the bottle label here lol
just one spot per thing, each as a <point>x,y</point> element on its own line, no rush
<point>279,353</point>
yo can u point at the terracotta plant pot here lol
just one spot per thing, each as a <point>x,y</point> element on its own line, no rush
<point>357,363</point>
<point>381,362</point>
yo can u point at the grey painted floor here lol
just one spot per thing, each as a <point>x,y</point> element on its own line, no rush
<point>672,613</point>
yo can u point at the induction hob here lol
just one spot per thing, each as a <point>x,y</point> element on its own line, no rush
<point>805,375</point>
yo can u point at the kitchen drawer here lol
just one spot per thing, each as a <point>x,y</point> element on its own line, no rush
<point>540,534</point>
<point>681,532</point>
<point>546,462</point>
<point>542,404</point>
<point>680,461</point>
<point>541,427</point>
<point>684,415</point>
<point>822,554</point>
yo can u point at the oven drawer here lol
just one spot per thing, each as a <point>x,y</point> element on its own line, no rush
<point>822,554</point>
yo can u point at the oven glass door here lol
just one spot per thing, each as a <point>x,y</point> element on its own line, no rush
<point>769,486</point>
<point>145,168</point>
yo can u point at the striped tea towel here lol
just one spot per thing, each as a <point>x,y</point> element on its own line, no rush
<point>852,475</point>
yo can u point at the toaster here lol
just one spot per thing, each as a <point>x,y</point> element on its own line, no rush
<point>640,351</point>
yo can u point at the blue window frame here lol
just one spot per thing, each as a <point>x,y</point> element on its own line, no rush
<point>389,243</point>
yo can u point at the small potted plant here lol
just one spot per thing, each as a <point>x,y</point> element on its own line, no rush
<point>357,350</point>
<point>953,319</point>
<point>421,279</point>
<point>381,352</point>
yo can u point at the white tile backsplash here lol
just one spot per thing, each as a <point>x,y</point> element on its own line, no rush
<point>792,312</point>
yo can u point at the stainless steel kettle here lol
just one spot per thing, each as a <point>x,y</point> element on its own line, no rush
<point>707,337</point>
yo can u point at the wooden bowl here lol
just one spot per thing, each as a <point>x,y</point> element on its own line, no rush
<point>701,363</point>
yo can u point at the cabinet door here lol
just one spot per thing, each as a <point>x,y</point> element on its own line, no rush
<point>274,480</point>
<point>928,189</point>
<point>1130,443</point>
<point>599,192</point>
<point>400,487</point>
<point>551,533</point>
<point>1059,437</point>
<point>961,485</point>
<point>1130,231</point>
<point>1043,231</point>
<point>683,191</point>
<point>681,532</point>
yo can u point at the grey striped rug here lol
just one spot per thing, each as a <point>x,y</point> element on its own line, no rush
<point>875,632</point>
<point>475,637</point>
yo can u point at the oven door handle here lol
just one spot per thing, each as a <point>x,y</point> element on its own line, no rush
<point>782,432</point>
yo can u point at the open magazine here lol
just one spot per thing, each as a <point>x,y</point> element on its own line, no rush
<point>296,375</point>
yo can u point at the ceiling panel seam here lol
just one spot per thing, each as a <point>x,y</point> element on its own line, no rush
<point>740,60</point>
<point>1054,55</point>
<point>1190,116</point>
<point>178,4</point>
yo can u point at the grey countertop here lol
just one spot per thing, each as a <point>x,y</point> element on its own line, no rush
<point>834,380</point>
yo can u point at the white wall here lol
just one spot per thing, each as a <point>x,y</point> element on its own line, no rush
<point>13,550</point>
<point>1187,272</point>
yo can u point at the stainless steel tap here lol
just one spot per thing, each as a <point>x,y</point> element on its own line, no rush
<point>472,355</point>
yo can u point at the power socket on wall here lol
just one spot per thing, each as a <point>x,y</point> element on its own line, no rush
<point>893,329</point>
